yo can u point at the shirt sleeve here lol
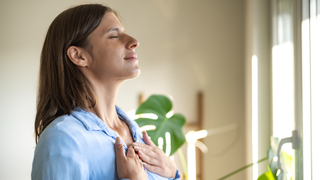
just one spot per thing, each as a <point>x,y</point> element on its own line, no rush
<point>58,156</point>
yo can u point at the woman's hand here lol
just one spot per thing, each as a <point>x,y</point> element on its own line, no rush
<point>154,158</point>
<point>130,166</point>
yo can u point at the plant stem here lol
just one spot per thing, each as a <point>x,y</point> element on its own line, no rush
<point>243,168</point>
<point>183,162</point>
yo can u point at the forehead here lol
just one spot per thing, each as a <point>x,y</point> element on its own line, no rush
<point>110,21</point>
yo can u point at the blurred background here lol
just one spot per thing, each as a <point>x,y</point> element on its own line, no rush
<point>186,47</point>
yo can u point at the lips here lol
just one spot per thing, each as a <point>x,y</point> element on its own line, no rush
<point>131,56</point>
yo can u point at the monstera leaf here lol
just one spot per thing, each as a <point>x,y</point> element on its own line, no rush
<point>160,105</point>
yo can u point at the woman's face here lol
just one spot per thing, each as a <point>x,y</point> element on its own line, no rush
<point>112,51</point>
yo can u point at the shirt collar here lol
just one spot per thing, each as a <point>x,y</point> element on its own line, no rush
<point>93,123</point>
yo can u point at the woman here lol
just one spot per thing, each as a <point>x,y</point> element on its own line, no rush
<point>80,133</point>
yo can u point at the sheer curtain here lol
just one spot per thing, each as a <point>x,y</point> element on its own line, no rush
<point>283,65</point>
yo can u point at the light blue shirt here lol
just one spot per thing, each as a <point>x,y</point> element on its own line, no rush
<point>80,146</point>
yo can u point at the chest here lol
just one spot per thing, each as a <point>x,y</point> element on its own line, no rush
<point>125,134</point>
<point>100,156</point>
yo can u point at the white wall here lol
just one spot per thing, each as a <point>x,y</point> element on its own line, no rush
<point>258,43</point>
<point>185,46</point>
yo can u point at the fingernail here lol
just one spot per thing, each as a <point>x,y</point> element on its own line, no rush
<point>135,145</point>
<point>140,152</point>
<point>145,132</point>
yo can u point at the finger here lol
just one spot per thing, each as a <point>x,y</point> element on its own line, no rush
<point>137,157</point>
<point>148,150</point>
<point>144,172</point>
<point>144,147</point>
<point>131,152</point>
<point>147,139</point>
<point>138,161</point>
<point>119,149</point>
<point>151,168</point>
<point>149,159</point>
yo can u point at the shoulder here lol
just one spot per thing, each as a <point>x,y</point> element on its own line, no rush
<point>62,135</point>
<point>65,126</point>
<point>65,135</point>
<point>59,150</point>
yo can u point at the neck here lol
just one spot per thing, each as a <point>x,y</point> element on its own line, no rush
<point>106,99</point>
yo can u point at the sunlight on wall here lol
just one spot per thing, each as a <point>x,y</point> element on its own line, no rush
<point>254,69</point>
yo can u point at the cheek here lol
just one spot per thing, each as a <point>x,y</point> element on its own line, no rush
<point>110,67</point>
<point>106,59</point>
<point>106,51</point>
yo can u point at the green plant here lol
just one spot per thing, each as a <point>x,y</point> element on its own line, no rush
<point>160,106</point>
<point>273,170</point>
<point>271,174</point>
<point>267,176</point>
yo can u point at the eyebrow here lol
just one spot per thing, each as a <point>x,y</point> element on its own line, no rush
<point>114,29</point>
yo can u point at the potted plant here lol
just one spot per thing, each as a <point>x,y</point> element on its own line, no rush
<point>160,106</point>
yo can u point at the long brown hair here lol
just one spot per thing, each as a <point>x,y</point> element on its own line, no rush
<point>62,86</point>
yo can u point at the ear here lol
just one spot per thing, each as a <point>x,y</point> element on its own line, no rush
<point>78,56</point>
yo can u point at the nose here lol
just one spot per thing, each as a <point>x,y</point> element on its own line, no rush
<point>132,43</point>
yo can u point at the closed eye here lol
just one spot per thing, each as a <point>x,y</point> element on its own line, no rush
<point>114,36</point>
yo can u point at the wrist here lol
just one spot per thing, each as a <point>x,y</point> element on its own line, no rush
<point>173,175</point>
<point>177,175</point>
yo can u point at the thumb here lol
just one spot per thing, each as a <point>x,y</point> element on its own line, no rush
<point>119,149</point>
<point>131,152</point>
<point>147,139</point>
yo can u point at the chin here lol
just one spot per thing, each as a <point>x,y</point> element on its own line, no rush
<point>136,74</point>
<point>133,74</point>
